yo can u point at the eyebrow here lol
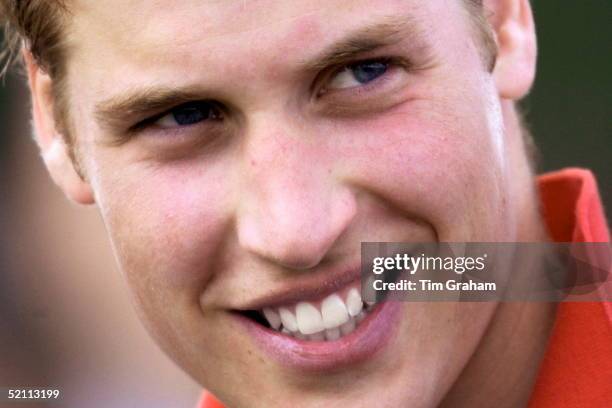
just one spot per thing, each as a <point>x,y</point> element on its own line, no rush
<point>139,102</point>
<point>389,30</point>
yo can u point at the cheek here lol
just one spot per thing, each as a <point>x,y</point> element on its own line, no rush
<point>436,159</point>
<point>166,224</point>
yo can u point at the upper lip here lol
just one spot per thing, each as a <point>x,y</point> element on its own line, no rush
<point>306,287</point>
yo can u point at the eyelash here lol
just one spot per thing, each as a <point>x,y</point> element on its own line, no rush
<point>390,65</point>
<point>152,120</point>
<point>319,91</point>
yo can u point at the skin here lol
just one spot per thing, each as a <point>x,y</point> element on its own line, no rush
<point>281,192</point>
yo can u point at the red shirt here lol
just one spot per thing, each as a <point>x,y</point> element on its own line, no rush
<point>577,369</point>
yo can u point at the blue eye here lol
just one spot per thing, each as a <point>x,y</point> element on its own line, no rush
<point>190,113</point>
<point>357,74</point>
<point>368,71</point>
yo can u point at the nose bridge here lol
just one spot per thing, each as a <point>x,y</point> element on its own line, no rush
<point>292,210</point>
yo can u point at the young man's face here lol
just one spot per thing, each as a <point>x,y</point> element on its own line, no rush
<point>240,152</point>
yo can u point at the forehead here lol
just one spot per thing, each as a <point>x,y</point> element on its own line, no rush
<point>148,30</point>
<point>228,48</point>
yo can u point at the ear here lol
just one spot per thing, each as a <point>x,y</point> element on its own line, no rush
<point>51,142</point>
<point>513,26</point>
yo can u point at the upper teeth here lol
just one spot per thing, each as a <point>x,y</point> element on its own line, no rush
<point>329,319</point>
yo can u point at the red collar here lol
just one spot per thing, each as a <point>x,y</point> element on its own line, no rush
<point>577,367</point>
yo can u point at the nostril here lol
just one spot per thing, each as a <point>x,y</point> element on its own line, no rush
<point>295,229</point>
<point>299,250</point>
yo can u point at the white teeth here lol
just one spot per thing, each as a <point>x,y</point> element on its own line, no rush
<point>334,312</point>
<point>360,317</point>
<point>332,334</point>
<point>354,304</point>
<point>273,318</point>
<point>329,320</point>
<point>288,319</point>
<point>316,337</point>
<point>347,327</point>
<point>309,319</point>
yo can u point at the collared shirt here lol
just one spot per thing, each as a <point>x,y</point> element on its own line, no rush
<point>577,368</point>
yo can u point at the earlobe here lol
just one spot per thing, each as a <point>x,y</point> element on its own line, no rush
<point>63,173</point>
<point>52,144</point>
<point>512,23</point>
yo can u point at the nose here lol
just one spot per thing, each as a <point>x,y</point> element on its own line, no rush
<point>293,209</point>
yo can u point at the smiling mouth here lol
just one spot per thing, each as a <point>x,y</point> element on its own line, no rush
<point>329,319</point>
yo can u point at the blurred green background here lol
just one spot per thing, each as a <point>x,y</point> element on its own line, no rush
<point>570,107</point>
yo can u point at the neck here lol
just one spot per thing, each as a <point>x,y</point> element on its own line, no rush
<point>503,370</point>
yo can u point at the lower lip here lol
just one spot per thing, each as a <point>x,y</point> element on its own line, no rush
<point>370,337</point>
